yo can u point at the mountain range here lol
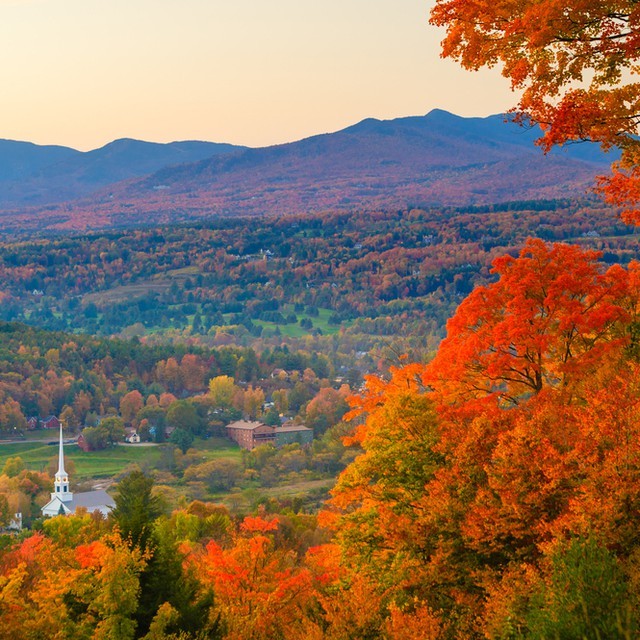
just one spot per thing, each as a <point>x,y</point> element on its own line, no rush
<point>34,174</point>
<point>433,160</point>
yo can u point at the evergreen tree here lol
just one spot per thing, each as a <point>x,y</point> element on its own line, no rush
<point>196,325</point>
<point>163,580</point>
<point>136,509</point>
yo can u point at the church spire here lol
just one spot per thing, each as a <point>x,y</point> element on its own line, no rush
<point>61,479</point>
<point>61,471</point>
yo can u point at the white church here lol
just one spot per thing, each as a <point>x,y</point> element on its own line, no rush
<point>63,502</point>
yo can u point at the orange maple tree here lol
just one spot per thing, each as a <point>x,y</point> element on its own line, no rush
<point>575,64</point>
<point>551,317</point>
<point>520,435</point>
<point>260,590</point>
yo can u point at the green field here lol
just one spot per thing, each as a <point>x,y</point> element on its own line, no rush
<point>109,462</point>
<point>296,331</point>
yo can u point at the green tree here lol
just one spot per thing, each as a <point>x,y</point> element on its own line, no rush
<point>183,415</point>
<point>196,325</point>
<point>164,580</point>
<point>219,475</point>
<point>136,509</point>
<point>114,429</point>
<point>221,391</point>
<point>584,596</point>
<point>5,511</point>
<point>182,438</point>
<point>272,417</point>
<point>153,414</point>
<point>13,466</point>
<point>96,438</point>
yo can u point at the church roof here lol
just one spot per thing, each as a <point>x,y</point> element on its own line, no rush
<point>98,500</point>
<point>92,499</point>
<point>53,506</point>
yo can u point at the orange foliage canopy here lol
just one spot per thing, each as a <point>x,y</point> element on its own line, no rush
<point>553,316</point>
<point>528,436</point>
<point>575,62</point>
<point>260,590</point>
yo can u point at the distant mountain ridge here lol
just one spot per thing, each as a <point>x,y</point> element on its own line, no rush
<point>432,160</point>
<point>39,174</point>
<point>18,160</point>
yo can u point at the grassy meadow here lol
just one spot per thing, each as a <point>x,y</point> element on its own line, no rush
<point>108,462</point>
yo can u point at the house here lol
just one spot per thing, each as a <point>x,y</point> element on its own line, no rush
<point>64,502</point>
<point>15,524</point>
<point>249,435</point>
<point>132,438</point>
<point>50,423</point>
<point>82,443</point>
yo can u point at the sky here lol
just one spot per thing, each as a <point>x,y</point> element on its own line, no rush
<point>82,73</point>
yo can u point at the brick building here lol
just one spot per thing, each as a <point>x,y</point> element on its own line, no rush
<point>249,435</point>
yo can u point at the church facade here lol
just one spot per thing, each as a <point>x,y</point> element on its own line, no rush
<point>64,502</point>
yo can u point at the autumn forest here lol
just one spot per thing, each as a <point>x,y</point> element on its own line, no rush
<point>455,385</point>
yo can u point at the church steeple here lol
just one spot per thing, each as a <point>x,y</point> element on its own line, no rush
<point>61,479</point>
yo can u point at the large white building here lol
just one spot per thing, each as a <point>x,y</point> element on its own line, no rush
<point>63,502</point>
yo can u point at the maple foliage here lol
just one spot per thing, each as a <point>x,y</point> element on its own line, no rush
<point>575,65</point>
<point>378,492</point>
<point>47,590</point>
<point>551,317</point>
<point>495,494</point>
<point>525,436</point>
<point>261,591</point>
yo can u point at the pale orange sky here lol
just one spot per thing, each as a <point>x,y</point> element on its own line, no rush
<point>84,72</point>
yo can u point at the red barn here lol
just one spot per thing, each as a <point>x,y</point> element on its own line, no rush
<point>50,423</point>
<point>82,443</point>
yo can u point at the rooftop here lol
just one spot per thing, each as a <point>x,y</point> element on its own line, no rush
<point>243,424</point>
<point>292,427</point>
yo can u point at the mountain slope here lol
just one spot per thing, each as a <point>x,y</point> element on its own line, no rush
<point>433,160</point>
<point>19,160</point>
<point>33,174</point>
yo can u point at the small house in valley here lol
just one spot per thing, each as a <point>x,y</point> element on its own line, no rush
<point>51,422</point>
<point>132,438</point>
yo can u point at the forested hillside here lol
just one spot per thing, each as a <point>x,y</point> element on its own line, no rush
<point>439,159</point>
<point>81,378</point>
<point>494,494</point>
<point>41,175</point>
<point>349,282</point>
